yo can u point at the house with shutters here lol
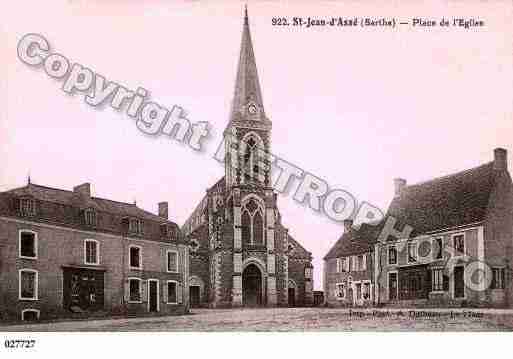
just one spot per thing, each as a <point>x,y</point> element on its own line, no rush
<point>348,275</point>
<point>444,242</point>
<point>67,253</point>
<point>449,241</point>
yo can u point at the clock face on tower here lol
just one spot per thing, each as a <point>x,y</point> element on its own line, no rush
<point>252,109</point>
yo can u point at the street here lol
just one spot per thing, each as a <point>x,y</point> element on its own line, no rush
<point>296,319</point>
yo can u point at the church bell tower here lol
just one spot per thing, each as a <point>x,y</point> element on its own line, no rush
<point>247,182</point>
<point>247,136</point>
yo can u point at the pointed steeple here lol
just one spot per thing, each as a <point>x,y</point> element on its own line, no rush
<point>247,87</point>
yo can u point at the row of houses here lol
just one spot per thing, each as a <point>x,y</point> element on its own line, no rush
<point>444,242</point>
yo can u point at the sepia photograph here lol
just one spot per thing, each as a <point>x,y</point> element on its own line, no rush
<point>183,167</point>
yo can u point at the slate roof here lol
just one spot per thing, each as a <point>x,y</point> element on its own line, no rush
<point>66,197</point>
<point>438,204</point>
<point>65,207</point>
<point>355,241</point>
<point>445,202</point>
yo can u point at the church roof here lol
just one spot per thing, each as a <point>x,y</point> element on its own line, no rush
<point>296,250</point>
<point>196,218</point>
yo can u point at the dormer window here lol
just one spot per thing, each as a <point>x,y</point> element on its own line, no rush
<point>90,217</point>
<point>135,226</point>
<point>27,207</point>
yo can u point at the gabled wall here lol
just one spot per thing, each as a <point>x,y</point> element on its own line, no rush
<point>498,234</point>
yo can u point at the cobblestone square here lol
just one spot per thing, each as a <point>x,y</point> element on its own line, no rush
<point>296,320</point>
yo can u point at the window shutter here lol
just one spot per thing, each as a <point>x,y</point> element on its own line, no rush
<point>364,262</point>
<point>143,290</point>
<point>348,259</point>
<point>429,280</point>
<point>445,282</point>
<point>179,292</point>
<point>127,290</point>
<point>164,291</point>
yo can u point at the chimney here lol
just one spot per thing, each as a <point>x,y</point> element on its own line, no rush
<point>348,225</point>
<point>164,210</point>
<point>399,184</point>
<point>500,159</point>
<point>84,190</point>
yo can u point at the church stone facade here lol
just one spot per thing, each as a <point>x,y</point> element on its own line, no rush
<point>242,255</point>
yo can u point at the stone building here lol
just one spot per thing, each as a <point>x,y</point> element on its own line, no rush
<point>349,267</point>
<point>443,242</point>
<point>242,254</point>
<point>444,235</point>
<point>67,253</point>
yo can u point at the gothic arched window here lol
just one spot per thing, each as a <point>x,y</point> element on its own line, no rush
<point>252,223</point>
<point>246,227</point>
<point>252,145</point>
<point>258,226</point>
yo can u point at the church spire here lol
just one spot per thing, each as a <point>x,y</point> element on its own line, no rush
<point>247,95</point>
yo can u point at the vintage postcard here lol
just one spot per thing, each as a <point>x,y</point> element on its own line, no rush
<point>275,166</point>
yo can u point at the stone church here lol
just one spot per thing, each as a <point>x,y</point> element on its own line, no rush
<point>242,255</point>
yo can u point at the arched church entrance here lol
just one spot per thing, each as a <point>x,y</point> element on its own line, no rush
<point>252,286</point>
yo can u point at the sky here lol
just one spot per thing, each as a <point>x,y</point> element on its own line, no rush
<point>356,107</point>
